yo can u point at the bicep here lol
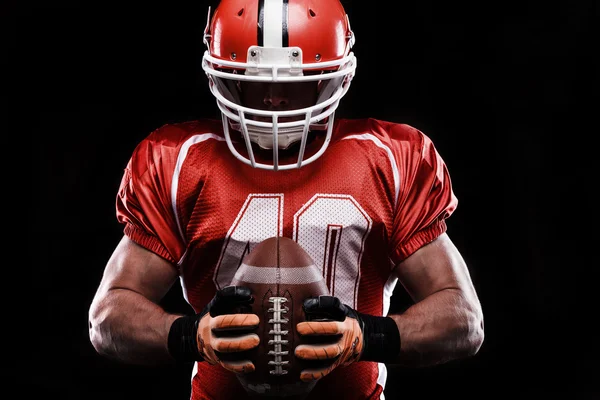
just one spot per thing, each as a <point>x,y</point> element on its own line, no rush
<point>434,267</point>
<point>135,268</point>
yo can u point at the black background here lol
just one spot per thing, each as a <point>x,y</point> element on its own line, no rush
<point>506,90</point>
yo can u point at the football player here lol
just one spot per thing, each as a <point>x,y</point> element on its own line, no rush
<point>367,199</point>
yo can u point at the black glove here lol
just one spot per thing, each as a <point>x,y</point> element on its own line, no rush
<point>362,337</point>
<point>223,327</point>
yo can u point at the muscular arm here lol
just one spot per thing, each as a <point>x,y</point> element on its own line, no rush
<point>446,321</point>
<point>125,320</point>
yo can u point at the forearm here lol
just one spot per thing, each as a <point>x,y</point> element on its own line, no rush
<point>125,325</point>
<point>442,327</point>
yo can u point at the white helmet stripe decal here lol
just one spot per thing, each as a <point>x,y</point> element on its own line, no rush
<point>285,42</point>
<point>272,23</point>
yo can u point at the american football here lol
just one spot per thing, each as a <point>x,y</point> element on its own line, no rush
<point>281,275</point>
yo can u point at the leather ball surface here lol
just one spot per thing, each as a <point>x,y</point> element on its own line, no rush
<point>281,275</point>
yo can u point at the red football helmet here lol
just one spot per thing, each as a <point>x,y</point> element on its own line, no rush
<point>281,42</point>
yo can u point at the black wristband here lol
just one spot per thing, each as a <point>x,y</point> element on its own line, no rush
<point>182,339</point>
<point>381,339</point>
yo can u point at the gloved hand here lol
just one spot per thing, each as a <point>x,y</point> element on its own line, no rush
<point>359,336</point>
<point>224,327</point>
<point>327,316</point>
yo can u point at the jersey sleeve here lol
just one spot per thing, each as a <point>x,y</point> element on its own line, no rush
<point>143,202</point>
<point>425,199</point>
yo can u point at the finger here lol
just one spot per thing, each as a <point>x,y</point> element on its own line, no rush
<point>324,307</point>
<point>239,367</point>
<point>231,300</point>
<point>234,321</point>
<point>238,293</point>
<point>234,344</point>
<point>319,328</point>
<point>309,375</point>
<point>321,302</point>
<point>315,352</point>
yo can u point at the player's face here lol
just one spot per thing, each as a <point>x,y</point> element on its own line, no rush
<point>278,96</point>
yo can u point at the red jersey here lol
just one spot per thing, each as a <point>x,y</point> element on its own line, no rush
<point>378,193</point>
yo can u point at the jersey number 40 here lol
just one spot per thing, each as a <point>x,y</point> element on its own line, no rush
<point>332,229</point>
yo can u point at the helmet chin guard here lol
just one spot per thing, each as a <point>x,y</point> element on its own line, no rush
<point>268,129</point>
